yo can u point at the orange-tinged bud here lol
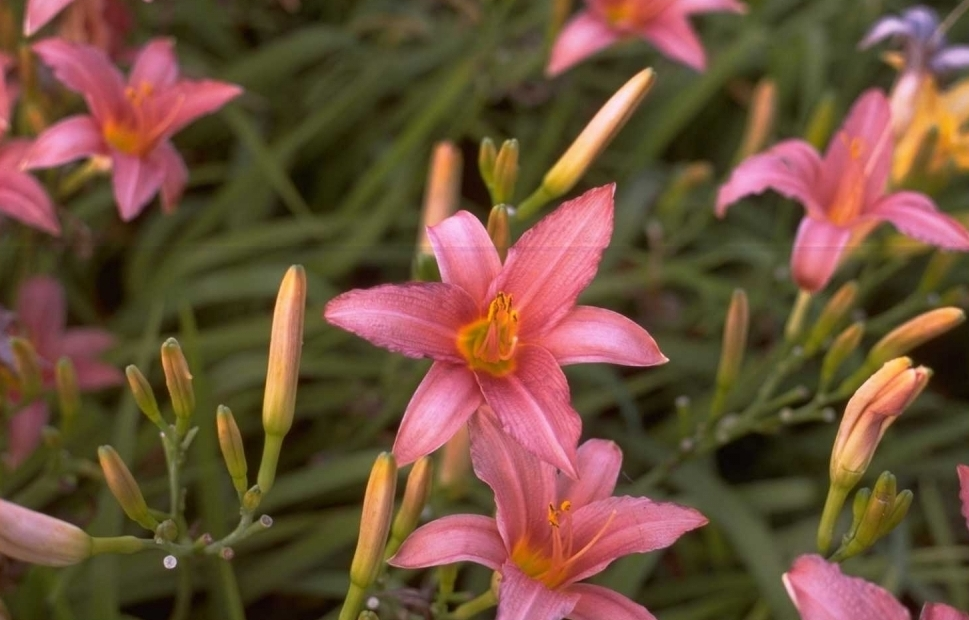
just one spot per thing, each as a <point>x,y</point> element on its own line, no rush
<point>455,466</point>
<point>124,488</point>
<point>844,345</point>
<point>443,190</point>
<point>499,231</point>
<point>734,347</point>
<point>915,332</point>
<point>416,492</point>
<point>179,382</point>
<point>233,451</point>
<point>68,395</point>
<point>144,396</point>
<point>833,313</point>
<point>37,538</point>
<point>378,508</point>
<point>760,118</point>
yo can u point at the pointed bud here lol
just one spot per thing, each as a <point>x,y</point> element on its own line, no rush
<point>179,382</point>
<point>875,514</point>
<point>378,508</point>
<point>498,230</point>
<point>68,395</point>
<point>833,313</point>
<point>282,375</point>
<point>760,119</point>
<point>915,332</point>
<point>230,441</point>
<point>903,501</point>
<point>34,537</point>
<point>487,155</point>
<point>28,368</point>
<point>455,470</point>
<point>734,338</point>
<point>416,492</point>
<point>443,190</point>
<point>144,396</point>
<point>124,488</point>
<point>844,345</point>
<point>506,173</point>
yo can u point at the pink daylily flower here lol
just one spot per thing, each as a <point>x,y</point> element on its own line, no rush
<point>664,23</point>
<point>549,532</point>
<point>820,591</point>
<point>843,193</point>
<point>42,315</point>
<point>22,197</point>
<point>129,123</point>
<point>498,333</point>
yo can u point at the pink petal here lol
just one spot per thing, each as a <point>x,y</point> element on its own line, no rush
<point>938,611</point>
<point>632,525</point>
<point>596,603</point>
<point>584,35</point>
<point>692,7</point>
<point>533,406</point>
<point>72,138</point>
<point>817,252</point>
<point>418,319</point>
<point>194,98</point>
<point>86,342</point>
<point>42,310</point>
<point>86,70</point>
<point>870,122</point>
<point>39,12</point>
<point>136,180</point>
<point>521,597</point>
<point>6,101</point>
<point>523,485</point>
<point>556,259</point>
<point>916,216</point>
<point>590,334</point>
<point>465,254</point>
<point>455,538</point>
<point>175,175</point>
<point>963,472</point>
<point>94,375</point>
<point>25,430</point>
<point>821,592</point>
<point>791,168</point>
<point>599,462</point>
<point>24,199</point>
<point>672,34</point>
<point>155,65</point>
<point>442,403</point>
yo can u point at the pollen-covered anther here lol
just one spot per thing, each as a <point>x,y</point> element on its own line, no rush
<point>490,343</point>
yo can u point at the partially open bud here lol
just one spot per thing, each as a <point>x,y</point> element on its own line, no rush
<point>416,492</point>
<point>282,375</point>
<point>124,488</point>
<point>833,313</point>
<point>144,396</point>
<point>28,368</point>
<point>734,347</point>
<point>915,332</point>
<point>68,395</point>
<point>498,230</point>
<point>179,382</point>
<point>37,538</point>
<point>230,442</point>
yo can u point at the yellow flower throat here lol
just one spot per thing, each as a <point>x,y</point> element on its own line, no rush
<point>489,344</point>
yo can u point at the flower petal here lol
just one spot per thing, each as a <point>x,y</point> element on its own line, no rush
<point>442,403</point>
<point>821,592</point>
<point>952,58</point>
<point>24,199</point>
<point>556,259</point>
<point>584,35</point>
<point>192,99</point>
<point>791,168</point>
<point>598,462</point>
<point>88,71</point>
<point>632,525</point>
<point>691,7</point>
<point>886,27</point>
<point>963,472</point>
<point>155,65</point>
<point>672,34</point>
<point>590,334</point>
<point>523,485</point>
<point>533,406</point>
<point>175,175</point>
<point>596,602</point>
<point>465,254</point>
<point>520,596</point>
<point>39,12</point>
<point>938,611</point>
<point>450,539</point>
<point>136,181</point>
<point>42,310</point>
<point>24,432</point>
<point>869,125</point>
<point>817,251</point>
<point>916,216</point>
<point>419,319</point>
<point>72,138</point>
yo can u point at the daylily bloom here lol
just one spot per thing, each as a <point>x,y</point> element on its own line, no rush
<point>22,197</point>
<point>549,532</point>
<point>39,12</point>
<point>42,314</point>
<point>843,193</point>
<point>498,333</point>
<point>945,113</point>
<point>130,124</point>
<point>664,23</point>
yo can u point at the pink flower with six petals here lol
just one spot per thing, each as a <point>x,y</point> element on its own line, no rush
<point>129,123</point>
<point>843,193</point>
<point>664,23</point>
<point>549,532</point>
<point>498,333</point>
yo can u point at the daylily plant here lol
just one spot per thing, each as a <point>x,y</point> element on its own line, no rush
<point>843,193</point>
<point>498,333</point>
<point>664,23</point>
<point>549,532</point>
<point>129,123</point>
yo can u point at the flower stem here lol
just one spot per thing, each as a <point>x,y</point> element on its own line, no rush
<point>475,606</point>
<point>829,518</point>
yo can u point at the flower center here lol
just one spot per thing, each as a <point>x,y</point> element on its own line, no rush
<point>127,134</point>
<point>489,343</point>
<point>626,14</point>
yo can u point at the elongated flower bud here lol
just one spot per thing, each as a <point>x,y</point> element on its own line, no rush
<point>506,173</point>
<point>28,368</point>
<point>734,338</point>
<point>833,313</point>
<point>124,488</point>
<point>875,514</point>
<point>487,155</point>
<point>455,470</point>
<point>443,190</point>
<point>499,231</point>
<point>179,382</point>
<point>760,119</point>
<point>144,396</point>
<point>844,345</point>
<point>68,395</point>
<point>282,375</point>
<point>915,332</point>
<point>230,442</point>
<point>37,538</point>
<point>416,492</point>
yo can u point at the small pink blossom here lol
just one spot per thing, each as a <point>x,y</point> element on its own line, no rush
<point>549,532</point>
<point>664,23</point>
<point>129,123</point>
<point>843,193</point>
<point>498,333</point>
<point>42,317</point>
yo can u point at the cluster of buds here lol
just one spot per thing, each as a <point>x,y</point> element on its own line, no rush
<point>875,513</point>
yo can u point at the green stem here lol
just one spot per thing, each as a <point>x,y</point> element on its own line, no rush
<point>120,544</point>
<point>353,602</point>
<point>475,606</point>
<point>533,203</point>
<point>829,518</point>
<point>270,458</point>
<point>183,593</point>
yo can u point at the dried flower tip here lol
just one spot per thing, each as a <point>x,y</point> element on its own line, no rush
<point>37,538</point>
<point>125,489</point>
<point>179,382</point>
<point>230,441</point>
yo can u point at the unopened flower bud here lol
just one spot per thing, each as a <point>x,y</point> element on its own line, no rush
<point>734,339</point>
<point>144,396</point>
<point>124,488</point>
<point>28,368</point>
<point>506,173</point>
<point>487,155</point>
<point>760,118</point>
<point>454,472</point>
<point>498,230</point>
<point>230,441</point>
<point>833,313</point>
<point>416,492</point>
<point>179,382</point>
<point>37,538</point>
<point>443,191</point>
<point>166,531</point>
<point>844,345</point>
<point>875,514</point>
<point>282,375</point>
<point>915,332</point>
<point>68,395</point>
<point>251,499</point>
